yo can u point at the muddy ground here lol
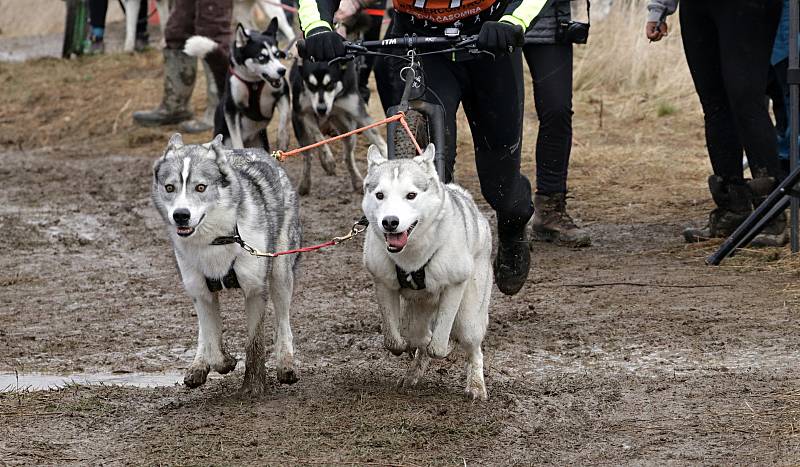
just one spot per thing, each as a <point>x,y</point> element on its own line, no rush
<point>630,351</point>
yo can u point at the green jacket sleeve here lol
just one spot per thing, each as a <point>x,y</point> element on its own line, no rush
<point>316,15</point>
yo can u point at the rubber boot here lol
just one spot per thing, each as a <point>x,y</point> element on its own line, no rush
<point>774,233</point>
<point>513,260</point>
<point>180,71</point>
<point>734,203</point>
<point>206,122</point>
<point>552,223</point>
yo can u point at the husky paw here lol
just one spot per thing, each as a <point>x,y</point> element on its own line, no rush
<point>477,392</point>
<point>328,163</point>
<point>438,348</point>
<point>196,375</point>
<point>227,365</point>
<point>287,375</point>
<point>394,344</point>
<point>304,188</point>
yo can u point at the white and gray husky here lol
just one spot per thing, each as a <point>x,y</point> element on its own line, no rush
<point>428,249</point>
<point>208,195</point>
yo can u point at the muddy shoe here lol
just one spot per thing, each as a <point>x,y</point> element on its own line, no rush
<point>774,233</point>
<point>734,204</point>
<point>512,262</point>
<point>180,71</point>
<point>552,223</point>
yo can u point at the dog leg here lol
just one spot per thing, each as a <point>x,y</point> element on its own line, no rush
<point>255,373</point>
<point>284,112</point>
<point>162,6</point>
<point>476,386</point>
<point>389,301</point>
<point>210,353</point>
<point>235,128</point>
<point>417,369</point>
<point>350,160</point>
<point>131,16</point>
<point>281,287</point>
<point>449,303</point>
<point>272,10</point>
<point>243,13</point>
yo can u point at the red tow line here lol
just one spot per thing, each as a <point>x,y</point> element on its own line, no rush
<point>357,228</point>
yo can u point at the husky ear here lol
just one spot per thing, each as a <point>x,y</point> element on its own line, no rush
<point>374,157</point>
<point>426,158</point>
<point>222,160</point>
<point>272,28</point>
<point>242,36</point>
<point>175,142</point>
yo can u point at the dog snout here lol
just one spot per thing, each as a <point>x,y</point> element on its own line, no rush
<point>321,109</point>
<point>281,71</point>
<point>390,223</point>
<point>181,216</point>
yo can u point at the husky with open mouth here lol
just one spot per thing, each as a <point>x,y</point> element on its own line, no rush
<point>428,249</point>
<point>208,196</point>
<point>255,88</point>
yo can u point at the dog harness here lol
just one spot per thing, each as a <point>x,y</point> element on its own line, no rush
<point>414,280</point>
<point>254,89</point>
<point>229,280</point>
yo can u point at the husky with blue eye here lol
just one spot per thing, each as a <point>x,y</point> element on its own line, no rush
<point>209,196</point>
<point>255,89</point>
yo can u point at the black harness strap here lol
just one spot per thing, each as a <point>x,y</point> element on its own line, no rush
<point>414,280</point>
<point>229,280</point>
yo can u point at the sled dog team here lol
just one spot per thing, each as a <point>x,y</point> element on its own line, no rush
<point>427,246</point>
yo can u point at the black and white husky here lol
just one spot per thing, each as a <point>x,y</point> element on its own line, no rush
<point>255,88</point>
<point>206,194</point>
<point>325,100</point>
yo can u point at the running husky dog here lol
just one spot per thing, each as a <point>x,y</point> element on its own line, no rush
<point>208,195</point>
<point>428,249</point>
<point>325,99</point>
<point>247,106</point>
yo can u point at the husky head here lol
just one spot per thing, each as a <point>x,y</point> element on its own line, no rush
<point>191,183</point>
<point>257,53</point>
<point>400,196</point>
<point>322,84</point>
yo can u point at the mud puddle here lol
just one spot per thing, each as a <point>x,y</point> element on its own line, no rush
<point>10,382</point>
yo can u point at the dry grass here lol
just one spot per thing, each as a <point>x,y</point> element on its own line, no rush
<point>620,63</point>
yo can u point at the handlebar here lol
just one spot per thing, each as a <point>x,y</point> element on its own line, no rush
<point>411,42</point>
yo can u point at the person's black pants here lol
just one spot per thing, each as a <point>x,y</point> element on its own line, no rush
<point>551,70</point>
<point>492,94</point>
<point>728,46</point>
<point>99,8</point>
<point>371,34</point>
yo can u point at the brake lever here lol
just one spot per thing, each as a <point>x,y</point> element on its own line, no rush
<point>346,58</point>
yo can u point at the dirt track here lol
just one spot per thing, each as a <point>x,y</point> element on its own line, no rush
<point>631,351</point>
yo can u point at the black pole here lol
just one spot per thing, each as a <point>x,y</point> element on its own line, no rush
<point>793,79</point>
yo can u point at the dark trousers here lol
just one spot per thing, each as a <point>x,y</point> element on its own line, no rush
<point>209,18</point>
<point>728,46</point>
<point>371,34</point>
<point>492,94</point>
<point>99,8</point>
<point>551,70</point>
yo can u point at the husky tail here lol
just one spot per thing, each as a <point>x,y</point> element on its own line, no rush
<point>199,46</point>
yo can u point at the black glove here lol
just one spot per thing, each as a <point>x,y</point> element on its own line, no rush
<point>499,37</point>
<point>323,46</point>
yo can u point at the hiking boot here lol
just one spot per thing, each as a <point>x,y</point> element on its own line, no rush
<point>513,260</point>
<point>206,122</point>
<point>96,46</point>
<point>180,71</point>
<point>734,203</point>
<point>774,233</point>
<point>552,223</point>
